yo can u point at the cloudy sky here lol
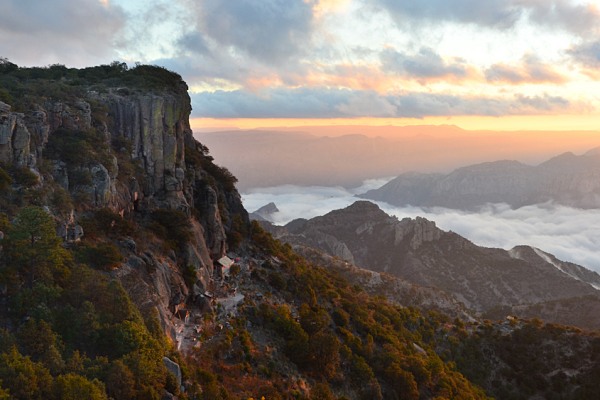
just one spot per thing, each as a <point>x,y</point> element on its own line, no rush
<point>534,63</point>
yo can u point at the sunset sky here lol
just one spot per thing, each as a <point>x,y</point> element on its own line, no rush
<point>493,64</point>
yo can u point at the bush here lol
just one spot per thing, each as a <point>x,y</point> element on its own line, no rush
<point>105,256</point>
<point>172,226</point>
<point>108,223</point>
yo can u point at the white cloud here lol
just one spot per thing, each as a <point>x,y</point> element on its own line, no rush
<point>570,234</point>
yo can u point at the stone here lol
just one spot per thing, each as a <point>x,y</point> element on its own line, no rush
<point>173,368</point>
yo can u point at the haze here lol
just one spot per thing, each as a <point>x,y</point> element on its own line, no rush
<point>348,155</point>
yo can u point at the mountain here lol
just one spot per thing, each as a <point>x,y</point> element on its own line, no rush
<point>265,212</point>
<point>352,154</point>
<point>566,179</point>
<point>415,250</point>
<point>129,270</point>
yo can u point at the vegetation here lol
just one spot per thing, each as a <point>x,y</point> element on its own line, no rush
<point>529,359</point>
<point>345,342</point>
<point>68,328</point>
<point>21,86</point>
<point>74,332</point>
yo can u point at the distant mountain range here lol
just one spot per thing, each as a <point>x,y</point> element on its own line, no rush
<point>347,156</point>
<point>567,179</point>
<point>522,281</point>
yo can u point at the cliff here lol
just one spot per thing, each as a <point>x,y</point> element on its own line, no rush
<point>130,150</point>
<point>106,155</point>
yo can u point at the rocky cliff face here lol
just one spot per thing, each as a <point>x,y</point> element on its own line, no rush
<point>416,251</point>
<point>146,160</point>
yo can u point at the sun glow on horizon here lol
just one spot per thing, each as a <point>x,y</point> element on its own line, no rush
<point>557,123</point>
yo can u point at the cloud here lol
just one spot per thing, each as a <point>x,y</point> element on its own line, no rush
<point>581,19</point>
<point>568,233</point>
<point>494,13</point>
<point>346,103</point>
<point>531,70</point>
<point>272,31</point>
<point>587,54</point>
<point>73,32</point>
<point>426,64</point>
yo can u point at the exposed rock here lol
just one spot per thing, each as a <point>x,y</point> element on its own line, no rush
<point>173,368</point>
<point>156,125</point>
<point>265,213</point>
<point>420,253</point>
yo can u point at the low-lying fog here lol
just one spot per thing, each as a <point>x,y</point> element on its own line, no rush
<point>570,234</point>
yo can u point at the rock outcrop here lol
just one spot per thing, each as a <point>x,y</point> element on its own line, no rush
<point>418,252</point>
<point>145,159</point>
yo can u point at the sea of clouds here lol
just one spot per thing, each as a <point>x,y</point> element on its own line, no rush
<point>568,233</point>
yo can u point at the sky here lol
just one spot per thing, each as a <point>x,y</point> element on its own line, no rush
<point>510,64</point>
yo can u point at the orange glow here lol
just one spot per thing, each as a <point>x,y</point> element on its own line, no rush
<point>511,123</point>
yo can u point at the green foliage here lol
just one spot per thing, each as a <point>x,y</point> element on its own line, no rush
<point>5,180</point>
<point>104,256</point>
<point>219,175</point>
<point>21,87</point>
<point>76,387</point>
<point>61,201</point>
<point>78,148</point>
<point>33,248</point>
<point>173,226</point>
<point>24,378</point>
<point>23,176</point>
<point>211,390</point>
<point>338,333</point>
<point>105,222</point>
<point>529,361</point>
<point>189,275</point>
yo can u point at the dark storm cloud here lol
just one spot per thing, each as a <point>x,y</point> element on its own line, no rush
<point>423,65</point>
<point>268,30</point>
<point>74,32</point>
<point>341,103</point>
<point>498,14</point>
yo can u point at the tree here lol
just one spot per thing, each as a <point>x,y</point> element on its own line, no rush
<point>24,378</point>
<point>76,387</point>
<point>35,247</point>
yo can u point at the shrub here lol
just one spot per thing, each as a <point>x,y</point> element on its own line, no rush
<point>106,222</point>
<point>173,226</point>
<point>105,256</point>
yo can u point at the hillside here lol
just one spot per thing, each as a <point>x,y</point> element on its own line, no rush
<point>416,251</point>
<point>114,223</point>
<point>566,179</point>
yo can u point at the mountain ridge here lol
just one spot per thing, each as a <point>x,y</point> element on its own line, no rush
<point>417,251</point>
<point>566,179</point>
